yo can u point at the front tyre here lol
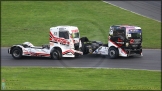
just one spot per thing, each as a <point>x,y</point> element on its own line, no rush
<point>56,55</point>
<point>16,53</point>
<point>113,53</point>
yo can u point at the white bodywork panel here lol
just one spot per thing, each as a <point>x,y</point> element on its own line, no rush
<point>101,50</point>
<point>104,51</point>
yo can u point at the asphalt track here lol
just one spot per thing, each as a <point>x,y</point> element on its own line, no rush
<point>150,61</point>
<point>150,9</point>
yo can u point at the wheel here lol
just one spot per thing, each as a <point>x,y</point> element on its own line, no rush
<point>17,53</point>
<point>113,53</point>
<point>56,55</point>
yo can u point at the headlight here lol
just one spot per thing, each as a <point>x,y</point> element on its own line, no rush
<point>127,44</point>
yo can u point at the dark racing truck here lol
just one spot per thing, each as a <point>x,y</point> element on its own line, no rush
<point>123,40</point>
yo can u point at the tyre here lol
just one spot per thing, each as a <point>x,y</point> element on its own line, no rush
<point>113,53</point>
<point>16,53</point>
<point>55,54</point>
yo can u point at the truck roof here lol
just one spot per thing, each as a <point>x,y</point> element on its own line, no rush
<point>64,26</point>
<point>127,26</point>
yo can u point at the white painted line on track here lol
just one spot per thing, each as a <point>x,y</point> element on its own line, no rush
<point>107,68</point>
<point>79,68</point>
<point>131,11</point>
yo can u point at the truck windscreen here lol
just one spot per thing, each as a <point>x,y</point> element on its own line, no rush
<point>135,34</point>
<point>75,35</point>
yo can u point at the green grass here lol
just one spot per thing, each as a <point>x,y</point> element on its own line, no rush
<point>30,21</point>
<point>36,78</point>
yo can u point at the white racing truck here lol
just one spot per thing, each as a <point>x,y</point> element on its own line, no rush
<point>123,40</point>
<point>64,42</point>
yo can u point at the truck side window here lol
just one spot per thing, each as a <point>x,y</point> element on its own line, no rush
<point>64,34</point>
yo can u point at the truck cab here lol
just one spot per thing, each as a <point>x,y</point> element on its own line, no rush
<point>66,40</point>
<point>124,40</point>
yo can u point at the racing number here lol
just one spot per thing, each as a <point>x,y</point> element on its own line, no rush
<point>55,33</point>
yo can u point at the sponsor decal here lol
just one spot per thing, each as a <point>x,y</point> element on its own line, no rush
<point>118,46</point>
<point>135,31</point>
<point>36,54</point>
<point>120,42</point>
<point>131,41</point>
<point>68,51</point>
<point>75,31</point>
<point>62,41</point>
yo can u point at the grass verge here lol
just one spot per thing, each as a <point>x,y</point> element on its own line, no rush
<point>37,78</point>
<point>30,21</point>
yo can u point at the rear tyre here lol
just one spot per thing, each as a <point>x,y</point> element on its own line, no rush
<point>16,53</point>
<point>113,53</point>
<point>55,54</point>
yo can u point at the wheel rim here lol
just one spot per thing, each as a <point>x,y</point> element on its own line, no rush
<point>55,55</point>
<point>112,53</point>
<point>16,53</point>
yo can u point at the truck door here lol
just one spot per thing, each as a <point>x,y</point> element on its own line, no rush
<point>66,41</point>
<point>118,37</point>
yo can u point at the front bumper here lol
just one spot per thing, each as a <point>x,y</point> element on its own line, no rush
<point>134,52</point>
